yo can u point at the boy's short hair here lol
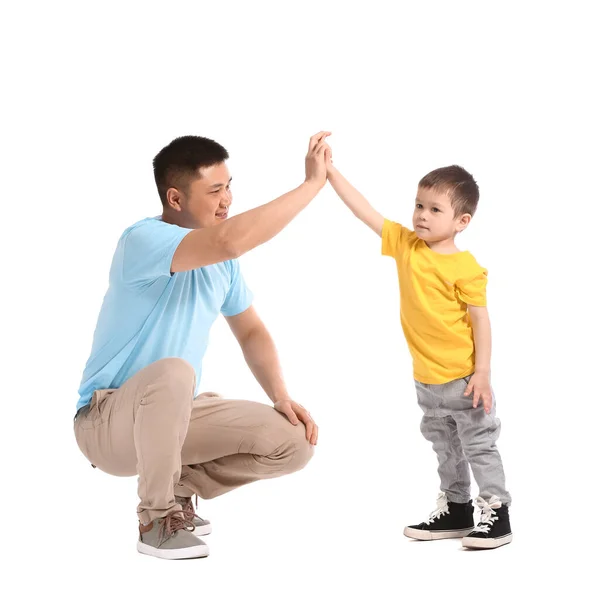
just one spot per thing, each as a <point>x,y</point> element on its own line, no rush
<point>177,164</point>
<point>458,184</point>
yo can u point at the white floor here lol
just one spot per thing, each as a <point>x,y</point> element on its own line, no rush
<point>288,539</point>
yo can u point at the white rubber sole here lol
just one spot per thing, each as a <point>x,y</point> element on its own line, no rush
<point>485,544</point>
<point>190,552</point>
<point>419,534</point>
<point>203,530</point>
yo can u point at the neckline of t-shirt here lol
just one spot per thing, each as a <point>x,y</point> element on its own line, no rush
<point>458,253</point>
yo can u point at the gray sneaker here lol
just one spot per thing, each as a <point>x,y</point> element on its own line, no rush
<point>170,537</point>
<point>202,526</point>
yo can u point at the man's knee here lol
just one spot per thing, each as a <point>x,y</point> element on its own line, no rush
<point>302,449</point>
<point>177,368</point>
<point>176,374</point>
<point>305,453</point>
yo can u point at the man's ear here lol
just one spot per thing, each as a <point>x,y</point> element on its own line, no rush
<point>173,198</point>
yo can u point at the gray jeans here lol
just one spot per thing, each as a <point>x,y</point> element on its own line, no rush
<point>462,436</point>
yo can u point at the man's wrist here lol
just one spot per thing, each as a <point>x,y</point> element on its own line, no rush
<point>280,397</point>
<point>313,186</point>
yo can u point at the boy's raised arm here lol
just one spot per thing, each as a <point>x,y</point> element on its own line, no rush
<point>354,200</point>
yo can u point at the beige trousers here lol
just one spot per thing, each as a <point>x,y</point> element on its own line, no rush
<point>154,428</point>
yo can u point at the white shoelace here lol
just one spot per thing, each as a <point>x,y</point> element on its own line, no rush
<point>442,508</point>
<point>487,515</point>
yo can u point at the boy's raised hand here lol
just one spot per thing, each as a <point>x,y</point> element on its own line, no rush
<point>316,170</point>
<point>328,159</point>
<point>351,196</point>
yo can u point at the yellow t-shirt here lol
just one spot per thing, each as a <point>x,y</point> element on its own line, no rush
<point>435,290</point>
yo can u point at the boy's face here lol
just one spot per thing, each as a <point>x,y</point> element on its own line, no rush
<point>433,218</point>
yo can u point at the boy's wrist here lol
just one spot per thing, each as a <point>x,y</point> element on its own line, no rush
<point>332,172</point>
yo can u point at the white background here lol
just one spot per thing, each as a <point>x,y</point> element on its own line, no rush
<point>91,93</point>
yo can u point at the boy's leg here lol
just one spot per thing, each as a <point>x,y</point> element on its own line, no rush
<point>478,432</point>
<point>140,429</point>
<point>231,443</point>
<point>440,429</point>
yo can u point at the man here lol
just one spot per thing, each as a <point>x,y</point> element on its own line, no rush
<point>138,411</point>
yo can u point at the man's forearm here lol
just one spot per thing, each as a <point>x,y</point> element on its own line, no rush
<point>258,225</point>
<point>261,356</point>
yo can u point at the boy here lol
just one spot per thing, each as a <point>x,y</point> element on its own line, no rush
<point>444,319</point>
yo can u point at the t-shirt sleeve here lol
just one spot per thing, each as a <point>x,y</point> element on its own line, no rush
<point>239,297</point>
<point>473,289</point>
<point>148,251</point>
<point>392,238</point>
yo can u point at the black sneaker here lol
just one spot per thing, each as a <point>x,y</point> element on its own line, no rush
<point>494,528</point>
<point>450,520</point>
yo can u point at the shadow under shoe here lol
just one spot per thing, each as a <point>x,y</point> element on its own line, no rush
<point>171,537</point>
<point>449,520</point>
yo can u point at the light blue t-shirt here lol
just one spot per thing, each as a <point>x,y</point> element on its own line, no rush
<point>149,314</point>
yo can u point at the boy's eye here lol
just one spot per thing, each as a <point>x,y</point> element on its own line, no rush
<point>435,209</point>
<point>419,206</point>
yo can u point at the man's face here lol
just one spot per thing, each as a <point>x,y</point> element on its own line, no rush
<point>207,199</point>
<point>433,218</point>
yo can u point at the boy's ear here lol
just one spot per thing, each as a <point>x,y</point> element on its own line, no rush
<point>463,222</point>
